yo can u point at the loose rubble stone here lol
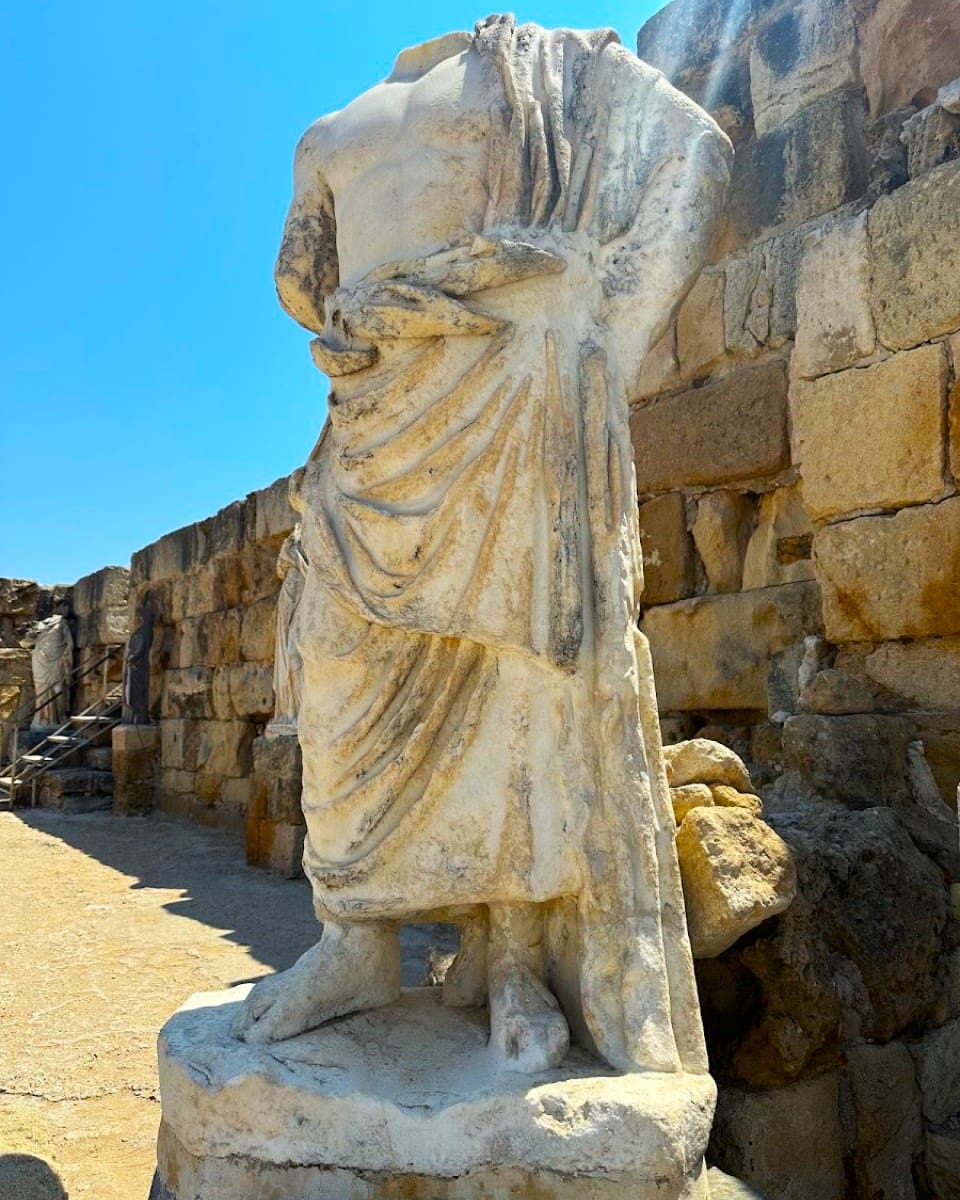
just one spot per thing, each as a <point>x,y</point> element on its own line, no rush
<point>721,530</point>
<point>736,874</point>
<point>858,955</point>
<point>913,236</point>
<point>669,564</point>
<point>688,796</point>
<point>834,319</point>
<point>701,760</point>
<point>886,577</point>
<point>733,428</point>
<point>730,797</point>
<point>905,463</point>
<point>804,54</point>
<point>714,651</point>
<point>781,544</point>
<point>787,1141</point>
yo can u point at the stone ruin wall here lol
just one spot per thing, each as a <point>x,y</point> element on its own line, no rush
<point>97,610</point>
<point>798,454</point>
<point>212,587</point>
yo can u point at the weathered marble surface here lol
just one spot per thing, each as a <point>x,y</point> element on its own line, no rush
<point>487,244</point>
<point>51,662</point>
<point>414,1090</point>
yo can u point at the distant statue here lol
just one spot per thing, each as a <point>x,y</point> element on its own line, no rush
<point>287,663</point>
<point>136,670</point>
<point>52,663</point>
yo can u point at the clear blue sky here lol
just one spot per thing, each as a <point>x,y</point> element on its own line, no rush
<point>147,374</point>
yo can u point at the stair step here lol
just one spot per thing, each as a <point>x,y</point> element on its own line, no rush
<point>37,758</point>
<point>86,717</point>
<point>64,738</point>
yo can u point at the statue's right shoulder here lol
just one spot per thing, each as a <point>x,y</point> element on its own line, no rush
<point>415,62</point>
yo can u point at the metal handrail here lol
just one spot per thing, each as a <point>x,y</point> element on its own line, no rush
<point>23,714</point>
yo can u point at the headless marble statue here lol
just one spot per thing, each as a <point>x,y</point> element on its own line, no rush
<point>51,663</point>
<point>287,664</point>
<point>487,244</point>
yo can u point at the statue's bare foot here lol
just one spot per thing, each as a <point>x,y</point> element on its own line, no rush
<point>352,968</point>
<point>527,1030</point>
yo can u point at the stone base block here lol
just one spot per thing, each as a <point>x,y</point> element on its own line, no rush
<point>407,1102</point>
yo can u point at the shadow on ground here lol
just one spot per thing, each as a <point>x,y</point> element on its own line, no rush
<point>272,916</point>
<point>23,1177</point>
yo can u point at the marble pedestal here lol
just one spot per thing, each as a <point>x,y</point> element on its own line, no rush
<point>406,1102</point>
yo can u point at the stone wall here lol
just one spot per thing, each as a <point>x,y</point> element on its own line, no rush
<point>798,460</point>
<point>101,607</point>
<point>212,587</point>
<point>22,604</point>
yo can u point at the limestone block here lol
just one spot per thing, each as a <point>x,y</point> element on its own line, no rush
<point>832,415</point>
<point>700,340</point>
<point>101,603</point>
<point>858,760</point>
<point>251,690</point>
<point>836,691</point>
<point>733,428</point>
<point>907,49</point>
<point>660,370</point>
<point>701,760</point>
<point>235,797</point>
<point>913,239</point>
<point>891,576</point>
<point>787,1141</point>
<point>721,530</point>
<point>932,137</point>
<point>914,674</point>
<point>688,796</point>
<point>736,873</point>
<point>812,164</point>
<point>889,1128</point>
<point>781,543</point>
<point>748,299</point>
<point>201,591</point>
<point>273,512</point>
<point>224,532</point>
<point>134,766</point>
<point>725,796</point>
<point>411,1089</point>
<point>714,651</point>
<point>834,320</point>
<point>807,52</point>
<point>210,640</point>
<point>258,631</point>
<point>278,847</point>
<point>942,1161</point>
<point>187,692</point>
<point>669,564</point>
<point>179,744</point>
<point>174,782</point>
<point>225,748</point>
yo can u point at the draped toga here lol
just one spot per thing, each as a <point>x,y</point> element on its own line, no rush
<point>478,721</point>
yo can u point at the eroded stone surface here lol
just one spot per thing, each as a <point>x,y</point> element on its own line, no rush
<point>415,1087</point>
<point>736,874</point>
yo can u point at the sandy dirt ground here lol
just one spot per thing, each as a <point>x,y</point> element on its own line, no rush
<point>106,926</point>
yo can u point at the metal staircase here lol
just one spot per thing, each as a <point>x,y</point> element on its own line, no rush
<point>79,731</point>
